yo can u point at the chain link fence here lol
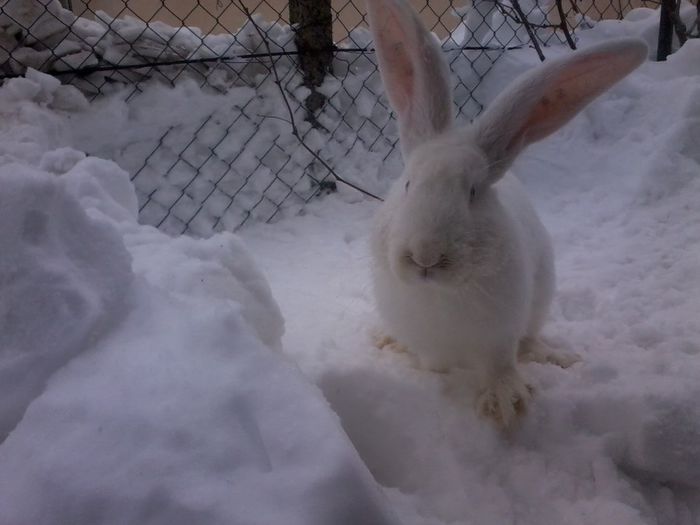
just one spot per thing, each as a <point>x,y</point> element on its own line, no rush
<point>290,108</point>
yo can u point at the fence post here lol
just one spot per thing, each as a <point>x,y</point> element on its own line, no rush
<point>665,30</point>
<point>314,41</point>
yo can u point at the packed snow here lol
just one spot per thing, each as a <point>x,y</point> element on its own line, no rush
<point>237,379</point>
<point>43,35</point>
<point>142,380</point>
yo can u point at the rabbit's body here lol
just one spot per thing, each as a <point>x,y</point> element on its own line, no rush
<point>481,316</point>
<point>463,268</point>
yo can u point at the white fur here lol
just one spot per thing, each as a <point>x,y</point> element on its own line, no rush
<point>464,279</point>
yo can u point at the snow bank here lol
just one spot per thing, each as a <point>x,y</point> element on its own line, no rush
<point>182,416</point>
<point>212,269</point>
<point>63,276</point>
<point>230,158</point>
<point>64,273</point>
<point>643,22</point>
<point>42,35</point>
<point>139,377</point>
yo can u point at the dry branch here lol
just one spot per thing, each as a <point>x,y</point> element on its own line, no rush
<point>290,111</point>
<point>528,28</point>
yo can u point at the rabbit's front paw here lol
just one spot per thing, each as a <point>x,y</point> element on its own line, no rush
<point>537,350</point>
<point>504,399</point>
<point>382,341</point>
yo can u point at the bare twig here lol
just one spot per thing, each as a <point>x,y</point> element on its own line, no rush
<point>678,25</point>
<point>507,11</point>
<point>564,25</point>
<point>295,130</point>
<point>528,28</point>
<point>275,117</point>
<point>574,6</point>
<point>696,24</point>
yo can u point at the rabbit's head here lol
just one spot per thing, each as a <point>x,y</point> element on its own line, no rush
<point>441,215</point>
<point>443,221</point>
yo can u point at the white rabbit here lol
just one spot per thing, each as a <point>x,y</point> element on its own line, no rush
<point>463,267</point>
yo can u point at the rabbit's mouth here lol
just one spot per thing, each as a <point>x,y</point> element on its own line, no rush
<point>437,270</point>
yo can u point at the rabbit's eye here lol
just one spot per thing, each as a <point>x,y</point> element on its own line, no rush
<point>408,183</point>
<point>472,194</point>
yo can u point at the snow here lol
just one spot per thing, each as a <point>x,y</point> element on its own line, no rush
<point>181,416</point>
<point>63,278</point>
<point>612,440</point>
<point>236,379</point>
<point>45,36</point>
<point>141,375</point>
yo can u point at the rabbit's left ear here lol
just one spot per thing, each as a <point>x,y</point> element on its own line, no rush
<point>415,74</point>
<point>541,101</point>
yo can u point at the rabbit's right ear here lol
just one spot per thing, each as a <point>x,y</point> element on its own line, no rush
<point>415,74</point>
<point>541,101</point>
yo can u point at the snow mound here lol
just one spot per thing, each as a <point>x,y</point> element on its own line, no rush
<point>181,416</point>
<point>643,22</point>
<point>30,124</point>
<point>100,185</point>
<point>63,276</point>
<point>218,268</point>
<point>140,377</point>
<point>43,35</point>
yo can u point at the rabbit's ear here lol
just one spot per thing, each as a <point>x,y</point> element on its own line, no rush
<point>415,74</point>
<point>541,101</point>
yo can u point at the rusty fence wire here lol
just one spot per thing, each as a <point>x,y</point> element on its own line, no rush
<point>293,90</point>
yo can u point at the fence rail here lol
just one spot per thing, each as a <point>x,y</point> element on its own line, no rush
<point>294,100</point>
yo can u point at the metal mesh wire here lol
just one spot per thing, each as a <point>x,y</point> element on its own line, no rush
<point>240,160</point>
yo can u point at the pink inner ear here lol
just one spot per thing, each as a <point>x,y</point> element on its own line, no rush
<point>547,97</point>
<point>415,74</point>
<point>405,78</point>
<point>400,76</point>
<point>569,91</point>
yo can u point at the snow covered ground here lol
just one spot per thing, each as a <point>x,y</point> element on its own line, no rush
<point>141,376</point>
<point>615,439</point>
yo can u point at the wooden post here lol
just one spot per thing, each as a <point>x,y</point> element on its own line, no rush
<point>665,46</point>
<point>313,22</point>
